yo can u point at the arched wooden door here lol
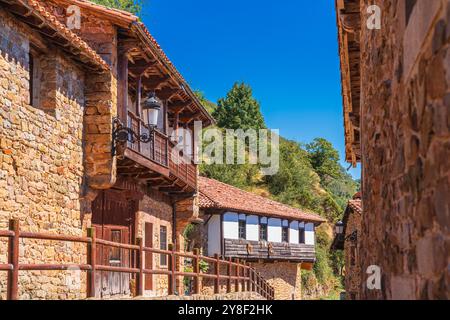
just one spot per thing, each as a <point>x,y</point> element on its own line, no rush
<point>113,217</point>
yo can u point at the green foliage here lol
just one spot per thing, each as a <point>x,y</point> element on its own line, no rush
<point>324,158</point>
<point>209,106</point>
<point>133,6</point>
<point>296,182</point>
<point>239,110</point>
<point>204,266</point>
<point>322,268</point>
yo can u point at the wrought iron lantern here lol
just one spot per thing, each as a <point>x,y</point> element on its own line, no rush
<point>339,228</point>
<point>151,107</point>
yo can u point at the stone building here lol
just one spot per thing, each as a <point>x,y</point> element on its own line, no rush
<point>348,241</point>
<point>277,240</point>
<point>396,98</point>
<point>79,147</point>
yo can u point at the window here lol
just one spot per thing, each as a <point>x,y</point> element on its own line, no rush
<point>34,86</point>
<point>301,233</point>
<point>163,245</point>
<point>114,254</point>
<point>285,234</point>
<point>285,231</point>
<point>263,230</point>
<point>242,228</point>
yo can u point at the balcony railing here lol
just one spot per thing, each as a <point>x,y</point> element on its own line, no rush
<point>246,249</point>
<point>156,150</point>
<point>160,151</point>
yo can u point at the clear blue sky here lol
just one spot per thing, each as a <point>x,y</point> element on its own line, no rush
<point>286,50</point>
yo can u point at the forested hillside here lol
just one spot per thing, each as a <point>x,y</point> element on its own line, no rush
<point>133,6</point>
<point>309,177</point>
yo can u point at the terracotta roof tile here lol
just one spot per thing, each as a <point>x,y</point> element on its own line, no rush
<point>355,205</point>
<point>218,195</point>
<point>62,30</point>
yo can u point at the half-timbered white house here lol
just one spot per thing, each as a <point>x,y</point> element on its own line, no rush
<point>277,239</point>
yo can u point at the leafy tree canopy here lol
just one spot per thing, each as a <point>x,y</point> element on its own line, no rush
<point>324,158</point>
<point>133,6</point>
<point>239,109</point>
<point>209,106</point>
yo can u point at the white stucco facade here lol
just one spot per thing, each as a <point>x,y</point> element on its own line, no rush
<point>252,228</point>
<point>230,229</point>
<point>274,230</point>
<point>214,235</point>
<point>309,234</point>
<point>231,225</point>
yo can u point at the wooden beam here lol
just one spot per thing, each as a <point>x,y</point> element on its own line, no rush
<point>122,87</point>
<point>167,93</point>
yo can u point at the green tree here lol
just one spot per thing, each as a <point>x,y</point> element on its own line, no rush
<point>133,6</point>
<point>239,109</point>
<point>209,106</point>
<point>324,158</point>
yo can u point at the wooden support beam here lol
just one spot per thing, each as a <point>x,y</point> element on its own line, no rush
<point>122,87</point>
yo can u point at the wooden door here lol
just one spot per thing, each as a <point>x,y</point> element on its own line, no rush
<point>148,255</point>
<point>113,219</point>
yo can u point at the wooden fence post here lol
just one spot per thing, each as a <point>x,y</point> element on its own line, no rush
<point>217,279</point>
<point>248,286</point>
<point>236,282</point>
<point>140,265</point>
<point>13,259</point>
<point>252,279</point>
<point>172,268</point>
<point>230,273</point>
<point>197,271</point>
<point>92,261</point>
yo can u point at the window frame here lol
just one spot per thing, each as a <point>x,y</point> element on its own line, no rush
<point>34,78</point>
<point>163,261</point>
<point>301,233</point>
<point>242,228</point>
<point>263,232</point>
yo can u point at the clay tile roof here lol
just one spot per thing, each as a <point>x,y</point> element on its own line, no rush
<point>355,205</point>
<point>121,15</point>
<point>62,30</point>
<point>218,195</point>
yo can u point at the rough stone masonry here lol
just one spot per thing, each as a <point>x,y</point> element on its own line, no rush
<point>405,141</point>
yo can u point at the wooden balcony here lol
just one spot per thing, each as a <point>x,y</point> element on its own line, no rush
<point>254,250</point>
<point>155,163</point>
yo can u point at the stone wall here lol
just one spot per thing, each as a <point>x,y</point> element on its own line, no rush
<point>284,277</point>
<point>352,264</point>
<point>156,209</point>
<point>405,125</point>
<point>41,162</point>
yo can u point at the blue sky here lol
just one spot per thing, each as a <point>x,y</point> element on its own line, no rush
<point>286,50</point>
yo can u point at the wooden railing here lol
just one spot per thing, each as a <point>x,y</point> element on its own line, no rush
<point>245,277</point>
<point>156,150</point>
<point>160,152</point>
<point>183,168</point>
<point>256,250</point>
